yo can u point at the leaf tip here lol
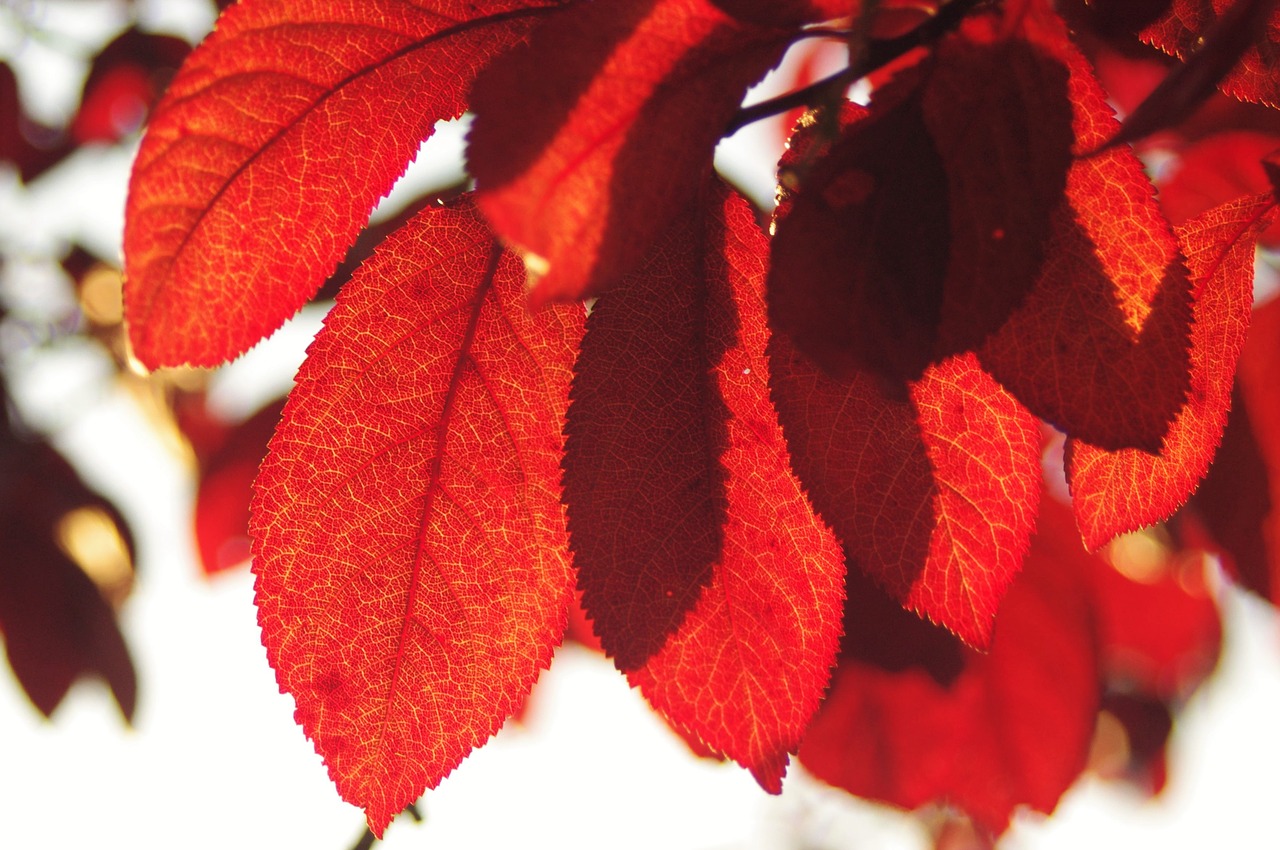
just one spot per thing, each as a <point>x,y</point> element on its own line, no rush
<point>769,772</point>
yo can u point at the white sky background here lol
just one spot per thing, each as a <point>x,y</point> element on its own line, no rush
<point>214,759</point>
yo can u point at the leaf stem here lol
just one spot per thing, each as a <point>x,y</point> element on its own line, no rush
<point>877,55</point>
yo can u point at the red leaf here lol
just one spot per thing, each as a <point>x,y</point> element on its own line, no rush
<point>409,541</point>
<point>271,146</point>
<point>57,626</point>
<point>934,495</point>
<point>1191,83</point>
<point>913,717</point>
<point>1238,501</point>
<point>1161,631</point>
<point>1217,169</point>
<point>783,13</point>
<point>1100,347</point>
<point>226,487</point>
<point>127,77</point>
<point>31,148</point>
<point>1230,512</point>
<point>621,107</point>
<point>1182,31</point>
<point>941,196</point>
<point>1219,247</point>
<point>730,634</point>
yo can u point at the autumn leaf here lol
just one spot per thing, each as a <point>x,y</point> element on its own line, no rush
<point>1191,83</point>
<point>1236,504</point>
<point>124,82</point>
<point>409,542</point>
<point>30,147</point>
<point>1118,491</point>
<point>225,489</point>
<point>1099,348</point>
<point>932,487</point>
<point>271,146</point>
<point>621,107</point>
<point>57,625</point>
<point>1217,169</point>
<point>914,717</point>
<point>1189,22</point>
<point>708,577</point>
<point>927,222</point>
<point>789,12</point>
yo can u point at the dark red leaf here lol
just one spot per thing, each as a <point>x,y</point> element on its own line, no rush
<point>924,226</point>
<point>33,149</point>
<point>708,576</point>
<point>621,106</point>
<point>269,149</point>
<point>57,626</point>
<point>409,543</point>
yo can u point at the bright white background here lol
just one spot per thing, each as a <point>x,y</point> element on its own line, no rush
<point>214,759</point>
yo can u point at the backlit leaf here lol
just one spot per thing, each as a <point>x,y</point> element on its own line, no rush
<point>409,542</point>
<point>924,226</point>
<point>1238,501</point>
<point>729,623</point>
<point>1118,491</point>
<point>1181,32</point>
<point>1099,348</point>
<point>932,487</point>
<point>620,109</point>
<point>1190,83</point>
<point>914,717</point>
<point>270,148</point>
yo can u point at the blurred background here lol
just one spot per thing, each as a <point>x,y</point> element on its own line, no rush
<point>164,724</point>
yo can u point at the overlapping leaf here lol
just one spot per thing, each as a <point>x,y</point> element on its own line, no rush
<point>1118,491</point>
<point>270,148</point>
<point>706,573</point>
<point>914,717</point>
<point>932,487</point>
<point>924,226</point>
<point>1182,31</point>
<point>621,105</point>
<point>1237,502</point>
<point>409,542</point>
<point>1110,316</point>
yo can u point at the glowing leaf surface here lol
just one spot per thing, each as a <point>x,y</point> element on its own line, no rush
<point>409,542</point>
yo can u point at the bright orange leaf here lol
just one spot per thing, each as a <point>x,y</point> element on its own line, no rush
<point>569,172</point>
<point>1123,490</point>
<point>739,666</point>
<point>273,143</point>
<point>409,542</point>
